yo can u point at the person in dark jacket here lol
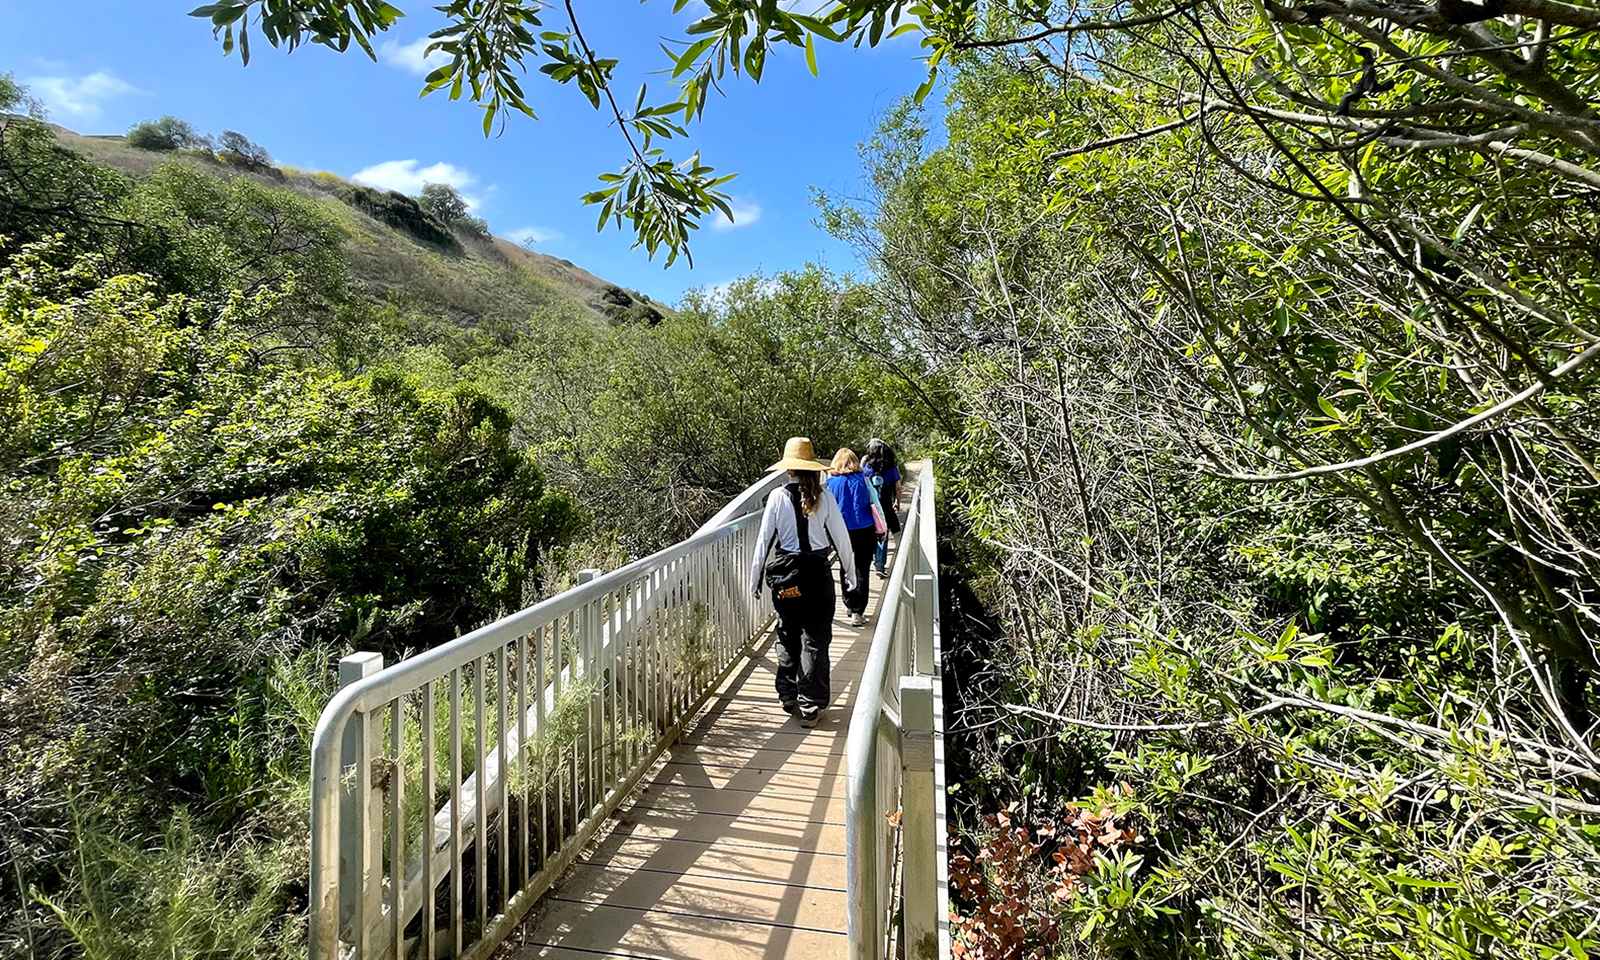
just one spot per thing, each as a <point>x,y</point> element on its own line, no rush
<point>880,469</point>
<point>805,622</point>
<point>855,498</point>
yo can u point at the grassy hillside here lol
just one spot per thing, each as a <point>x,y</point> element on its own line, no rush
<point>492,285</point>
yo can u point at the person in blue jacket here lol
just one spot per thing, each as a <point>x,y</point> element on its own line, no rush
<point>855,499</point>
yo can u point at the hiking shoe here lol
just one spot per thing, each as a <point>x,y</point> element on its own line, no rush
<point>790,706</point>
<point>809,720</point>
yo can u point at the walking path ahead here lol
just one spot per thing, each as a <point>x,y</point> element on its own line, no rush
<point>735,846</point>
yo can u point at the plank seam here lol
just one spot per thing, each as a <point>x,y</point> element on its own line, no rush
<point>702,916</point>
<point>704,875</point>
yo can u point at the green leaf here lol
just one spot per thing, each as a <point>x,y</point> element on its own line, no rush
<point>811,55</point>
<point>1466,224</point>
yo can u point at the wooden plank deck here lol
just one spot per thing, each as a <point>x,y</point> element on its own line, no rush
<point>734,848</point>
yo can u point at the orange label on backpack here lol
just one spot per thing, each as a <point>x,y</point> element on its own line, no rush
<point>789,593</point>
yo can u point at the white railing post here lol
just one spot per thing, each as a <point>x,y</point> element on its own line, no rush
<point>593,796</point>
<point>919,846</point>
<point>924,599</point>
<point>360,809</point>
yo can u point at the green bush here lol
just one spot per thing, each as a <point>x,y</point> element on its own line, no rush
<point>401,212</point>
<point>176,895</point>
<point>46,190</point>
<point>239,150</point>
<point>184,518</point>
<point>443,201</point>
<point>168,133</point>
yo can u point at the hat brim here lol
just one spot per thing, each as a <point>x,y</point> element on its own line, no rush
<point>795,463</point>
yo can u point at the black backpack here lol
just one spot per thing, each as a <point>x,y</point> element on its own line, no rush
<point>799,580</point>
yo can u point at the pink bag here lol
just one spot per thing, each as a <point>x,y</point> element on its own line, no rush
<point>879,525</point>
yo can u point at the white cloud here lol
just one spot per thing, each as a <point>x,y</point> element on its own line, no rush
<point>407,177</point>
<point>744,214</point>
<point>410,56</point>
<point>79,97</point>
<point>529,235</point>
<point>718,292</point>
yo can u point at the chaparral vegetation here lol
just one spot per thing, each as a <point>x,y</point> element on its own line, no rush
<point>1254,343</point>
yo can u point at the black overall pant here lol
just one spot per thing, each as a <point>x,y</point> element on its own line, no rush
<point>863,544</point>
<point>803,641</point>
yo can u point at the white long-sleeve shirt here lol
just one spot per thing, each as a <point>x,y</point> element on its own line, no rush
<point>778,529</point>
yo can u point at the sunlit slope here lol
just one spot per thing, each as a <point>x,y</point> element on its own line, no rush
<point>459,278</point>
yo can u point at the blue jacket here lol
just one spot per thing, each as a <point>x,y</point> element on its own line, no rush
<point>855,500</point>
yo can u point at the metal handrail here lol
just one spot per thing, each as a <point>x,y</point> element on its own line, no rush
<point>895,755</point>
<point>616,666</point>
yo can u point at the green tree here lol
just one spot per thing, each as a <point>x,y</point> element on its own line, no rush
<point>14,96</point>
<point>1282,564</point>
<point>167,133</point>
<point>443,201</point>
<point>45,189</point>
<point>236,148</point>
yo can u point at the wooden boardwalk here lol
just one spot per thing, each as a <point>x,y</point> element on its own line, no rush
<point>734,847</point>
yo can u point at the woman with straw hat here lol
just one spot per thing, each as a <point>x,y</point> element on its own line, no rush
<point>791,559</point>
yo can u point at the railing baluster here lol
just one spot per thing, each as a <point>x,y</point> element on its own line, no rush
<point>613,675</point>
<point>397,827</point>
<point>575,774</point>
<point>645,652</point>
<point>503,843</point>
<point>523,780</point>
<point>480,821</point>
<point>591,666</point>
<point>675,640</point>
<point>558,642</point>
<point>456,910</point>
<point>363,721</point>
<point>429,881</point>
<point>542,643</point>
<point>636,592</point>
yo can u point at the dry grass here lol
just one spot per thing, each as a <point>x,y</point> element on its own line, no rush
<point>491,284</point>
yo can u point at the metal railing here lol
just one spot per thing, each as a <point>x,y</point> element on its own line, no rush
<point>450,790</point>
<point>895,812</point>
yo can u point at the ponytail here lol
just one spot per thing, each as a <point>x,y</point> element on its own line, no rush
<point>810,483</point>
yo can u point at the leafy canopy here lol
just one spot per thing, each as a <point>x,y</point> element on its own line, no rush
<point>491,46</point>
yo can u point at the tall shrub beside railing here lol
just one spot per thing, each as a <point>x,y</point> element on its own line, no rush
<point>895,815</point>
<point>451,789</point>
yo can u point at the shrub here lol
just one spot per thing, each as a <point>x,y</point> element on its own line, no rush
<point>450,208</point>
<point>401,212</point>
<point>14,97</point>
<point>237,149</point>
<point>168,133</point>
<point>174,896</point>
<point>205,236</point>
<point>628,307</point>
<point>45,190</point>
<point>442,200</point>
<point>183,521</point>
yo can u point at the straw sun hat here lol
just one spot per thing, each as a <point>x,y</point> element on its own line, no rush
<point>798,454</point>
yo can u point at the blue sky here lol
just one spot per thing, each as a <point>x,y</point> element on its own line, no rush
<point>100,66</point>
